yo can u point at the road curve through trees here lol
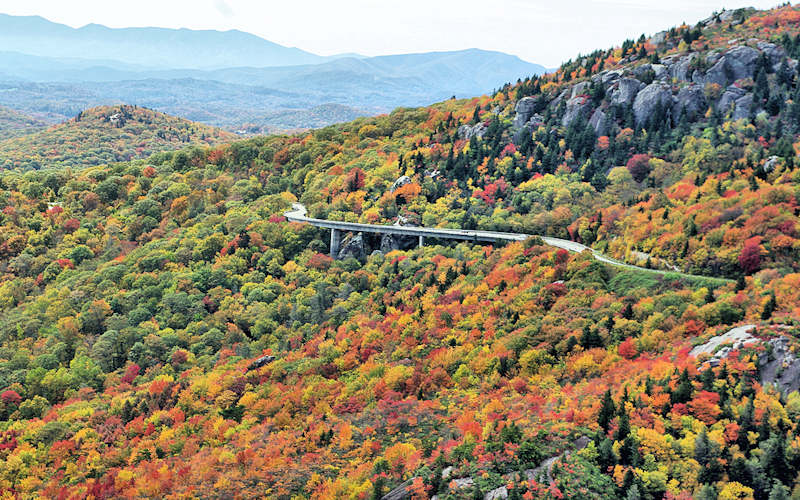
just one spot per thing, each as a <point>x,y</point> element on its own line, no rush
<point>298,214</point>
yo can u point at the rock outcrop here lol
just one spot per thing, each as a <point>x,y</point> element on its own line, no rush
<point>598,122</point>
<point>469,131</point>
<point>401,492</point>
<point>743,107</point>
<point>779,366</point>
<point>690,101</point>
<point>400,182</point>
<point>524,111</point>
<point>576,107</point>
<point>626,91</point>
<point>649,98</point>
<point>352,246</point>
<point>736,337</point>
<point>262,361</point>
<point>729,98</point>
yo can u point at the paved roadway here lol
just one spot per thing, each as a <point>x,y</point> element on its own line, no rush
<point>298,214</point>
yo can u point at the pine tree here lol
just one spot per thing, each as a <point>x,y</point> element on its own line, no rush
<point>607,412</point>
<point>769,307</point>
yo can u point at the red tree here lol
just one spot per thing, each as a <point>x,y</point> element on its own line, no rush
<point>639,166</point>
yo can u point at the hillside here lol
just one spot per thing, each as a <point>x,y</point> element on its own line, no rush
<point>106,134</point>
<point>13,123</point>
<point>167,333</point>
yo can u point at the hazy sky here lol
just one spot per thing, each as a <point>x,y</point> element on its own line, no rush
<point>542,31</point>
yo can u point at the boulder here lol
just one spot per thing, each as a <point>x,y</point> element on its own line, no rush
<point>576,107</point>
<point>726,15</point>
<point>642,70</point>
<point>563,95</point>
<point>771,163</point>
<point>389,243</point>
<point>728,98</point>
<point>679,70</point>
<point>598,122</point>
<point>610,76</point>
<point>525,108</point>
<point>743,108</point>
<point>401,492</point>
<point>626,91</point>
<point>659,38</point>
<point>718,73</point>
<point>352,246</point>
<point>780,367</point>
<point>500,493</point>
<point>468,131</point>
<point>579,89</point>
<point>400,182</point>
<point>775,54</point>
<point>649,98</point>
<point>690,101</point>
<point>660,71</point>
<point>461,483</point>
<point>262,361</point>
<point>741,62</point>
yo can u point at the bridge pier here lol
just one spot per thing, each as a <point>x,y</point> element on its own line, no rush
<point>336,242</point>
<point>421,241</point>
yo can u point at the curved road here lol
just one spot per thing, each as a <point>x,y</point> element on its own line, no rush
<point>298,214</point>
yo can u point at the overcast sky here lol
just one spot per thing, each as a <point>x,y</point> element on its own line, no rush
<point>542,31</point>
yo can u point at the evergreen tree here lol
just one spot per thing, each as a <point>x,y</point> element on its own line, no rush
<point>607,411</point>
<point>769,307</point>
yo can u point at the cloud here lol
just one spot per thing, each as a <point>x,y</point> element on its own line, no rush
<point>223,8</point>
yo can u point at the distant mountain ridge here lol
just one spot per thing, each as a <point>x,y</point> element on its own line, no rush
<point>227,79</point>
<point>147,47</point>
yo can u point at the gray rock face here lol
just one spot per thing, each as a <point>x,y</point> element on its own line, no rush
<point>661,71</point>
<point>391,242</point>
<point>401,492</point>
<point>690,101</point>
<point>467,132</point>
<point>774,53</point>
<point>718,73</point>
<point>400,182</point>
<point>610,76</point>
<point>576,107</point>
<point>563,95</point>
<point>579,89</point>
<point>659,38</point>
<point>262,361</point>
<point>461,483</point>
<point>500,493</point>
<point>743,107</point>
<point>729,98</point>
<point>598,122</point>
<point>741,62</point>
<point>781,367</point>
<point>679,70</point>
<point>649,98</point>
<point>626,91</point>
<point>524,109</point>
<point>352,246</point>
<point>771,163</point>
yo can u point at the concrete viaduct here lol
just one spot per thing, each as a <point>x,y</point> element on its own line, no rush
<point>298,214</point>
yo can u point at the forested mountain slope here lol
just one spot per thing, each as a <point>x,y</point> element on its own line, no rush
<point>139,298</point>
<point>13,123</point>
<point>106,134</point>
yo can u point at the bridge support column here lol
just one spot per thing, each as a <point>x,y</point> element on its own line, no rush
<point>336,241</point>
<point>421,241</point>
